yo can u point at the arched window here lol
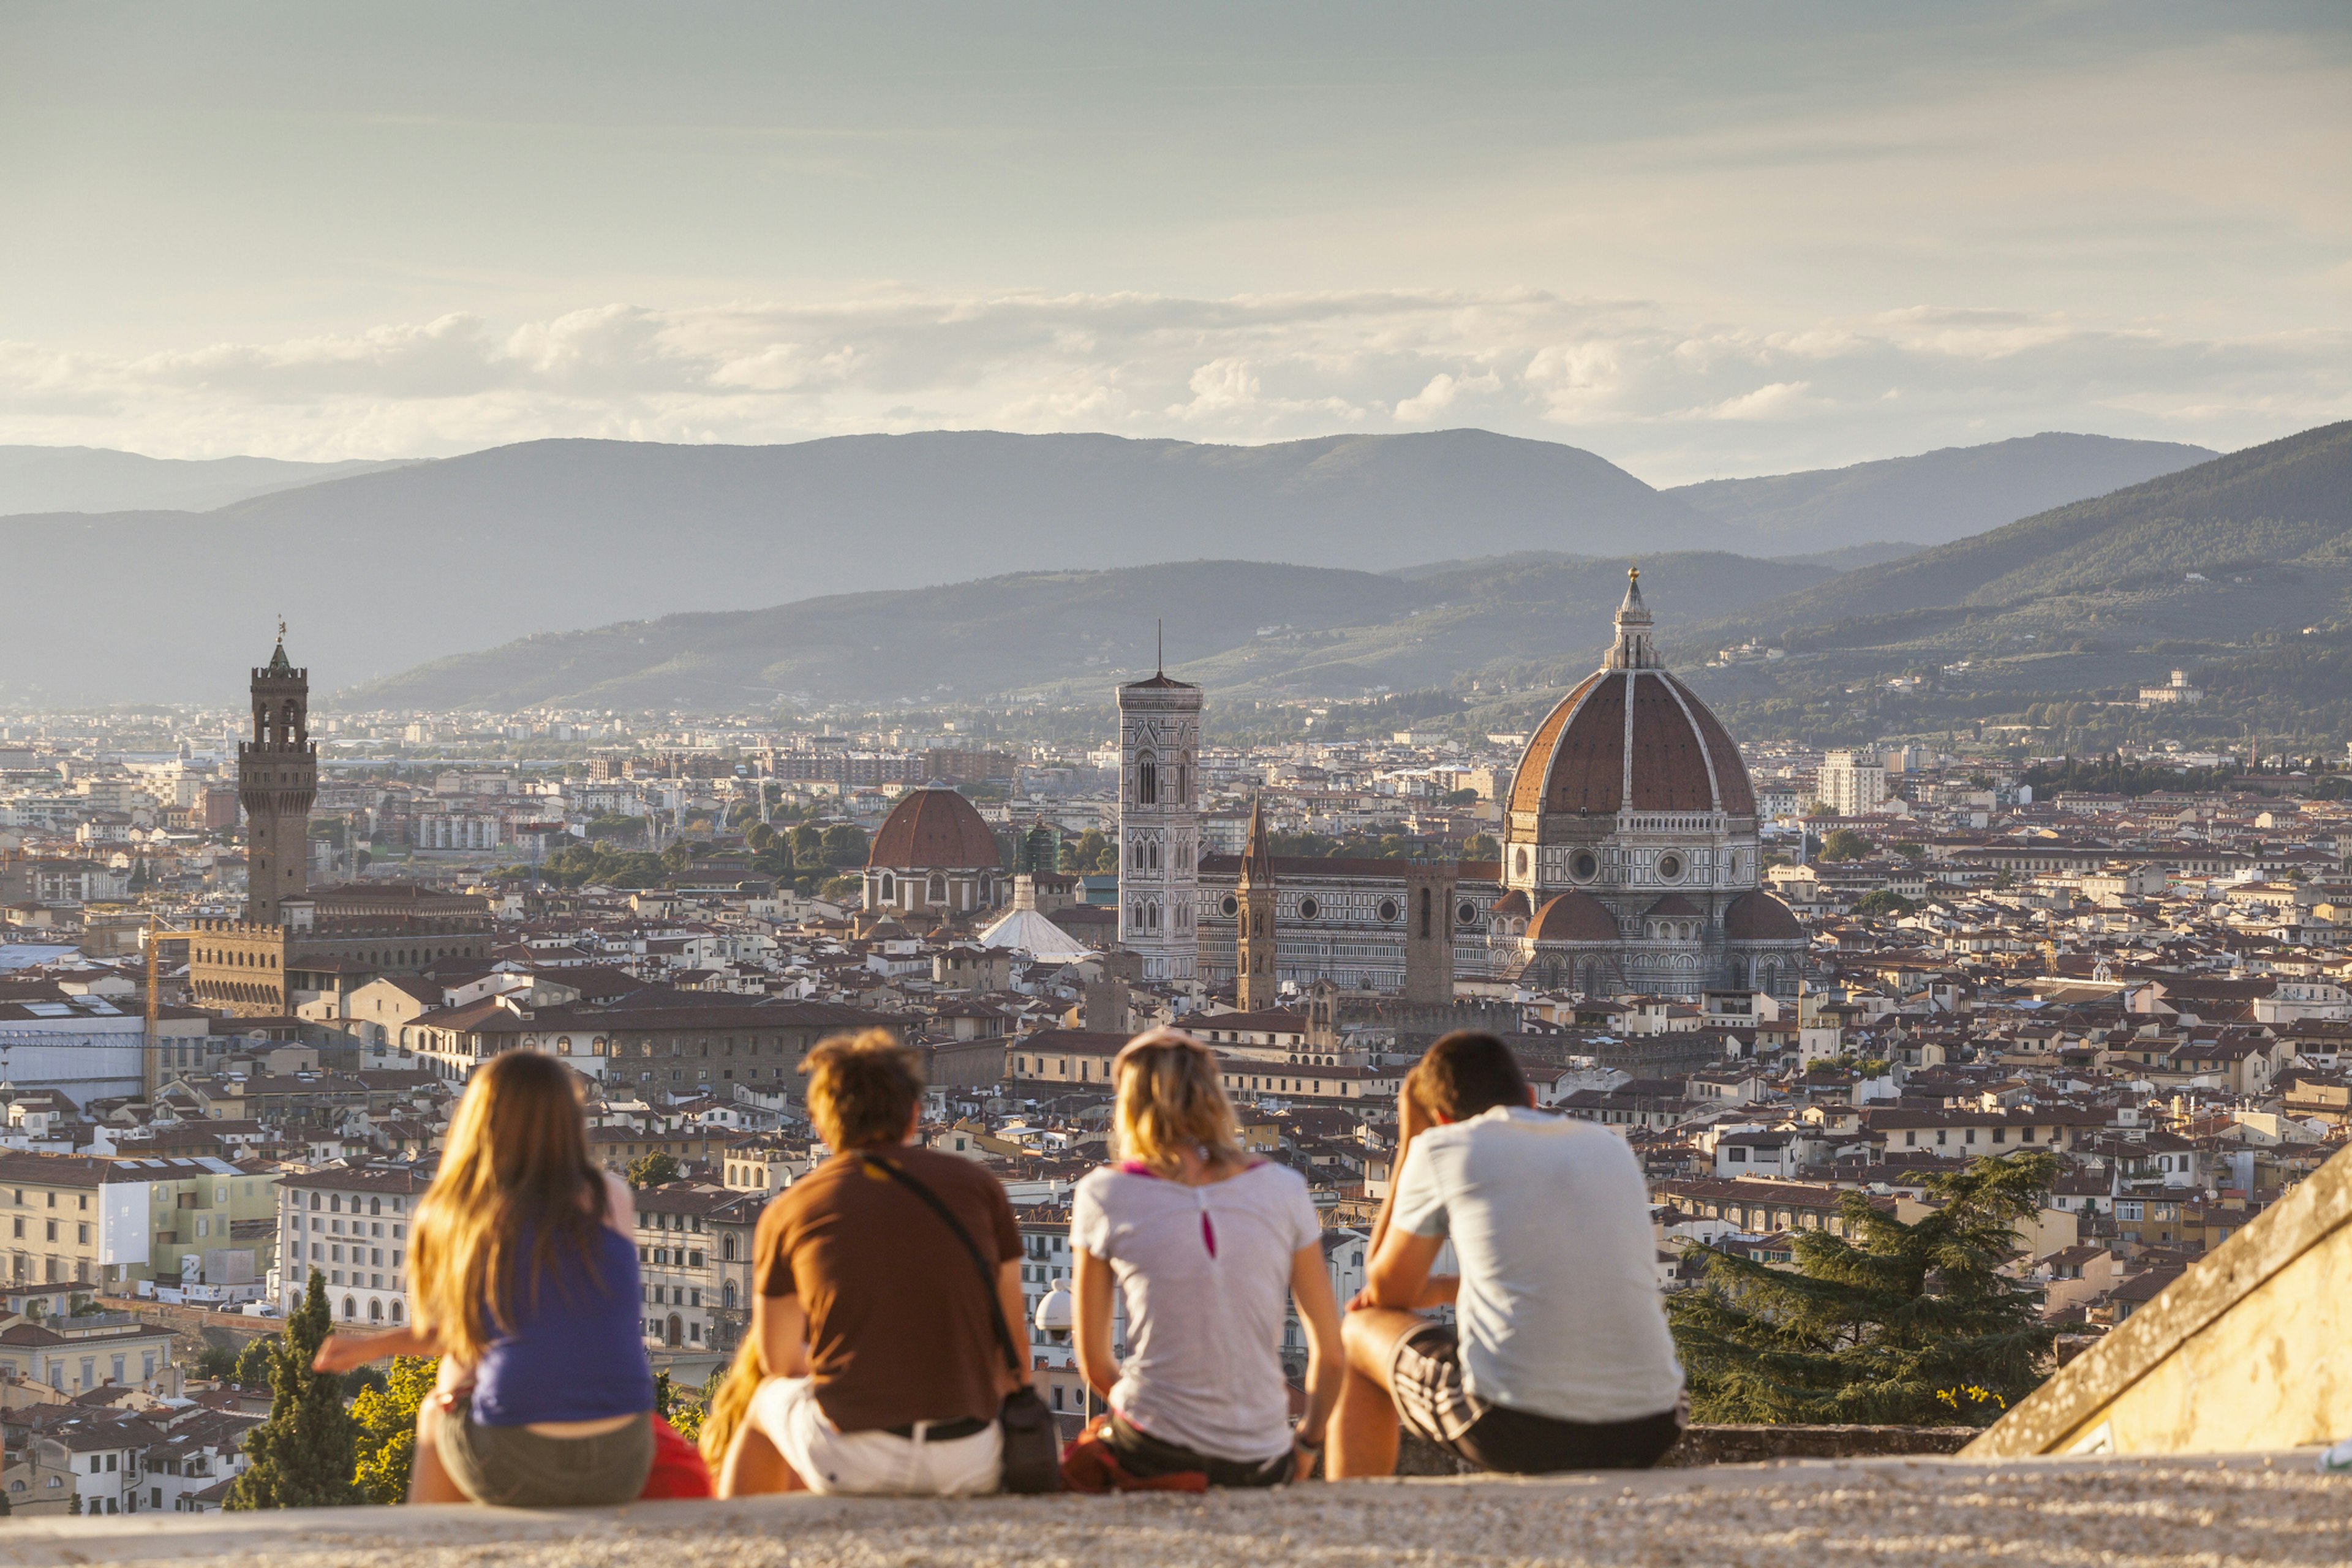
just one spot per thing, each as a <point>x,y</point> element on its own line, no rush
<point>890,888</point>
<point>1147,779</point>
<point>375,1312</point>
<point>562,1045</point>
<point>395,1311</point>
<point>351,1309</point>
<point>375,1205</point>
<point>938,888</point>
<point>727,1252</point>
<point>1425,914</point>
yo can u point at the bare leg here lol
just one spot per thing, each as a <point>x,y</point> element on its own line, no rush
<point>428,1479</point>
<point>1364,1422</point>
<point>752,1465</point>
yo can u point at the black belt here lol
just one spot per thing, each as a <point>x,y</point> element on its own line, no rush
<point>943,1431</point>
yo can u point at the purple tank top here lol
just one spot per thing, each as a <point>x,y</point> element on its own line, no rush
<point>580,1355</point>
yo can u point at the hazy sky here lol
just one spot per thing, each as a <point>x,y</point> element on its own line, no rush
<point>1698,239</point>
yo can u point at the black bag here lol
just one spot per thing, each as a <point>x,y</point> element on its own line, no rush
<point>1033,1449</point>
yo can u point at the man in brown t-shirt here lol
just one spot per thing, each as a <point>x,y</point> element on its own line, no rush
<point>885,1367</point>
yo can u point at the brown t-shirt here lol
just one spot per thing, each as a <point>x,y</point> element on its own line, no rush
<point>898,1325</point>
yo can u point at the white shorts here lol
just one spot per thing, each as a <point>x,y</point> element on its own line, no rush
<point>786,1412</point>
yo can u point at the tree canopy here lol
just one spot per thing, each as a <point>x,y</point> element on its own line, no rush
<point>300,1457</point>
<point>1909,1324</point>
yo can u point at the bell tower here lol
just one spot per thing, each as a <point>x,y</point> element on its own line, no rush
<point>1159,825</point>
<point>276,779</point>
<point>1257,983</point>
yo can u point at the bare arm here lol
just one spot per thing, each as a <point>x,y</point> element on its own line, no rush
<point>781,1328</point>
<point>1327,1364</point>
<point>620,1206</point>
<point>1400,1276</point>
<point>1413,1121</point>
<point>341,1352</point>
<point>1095,1292</point>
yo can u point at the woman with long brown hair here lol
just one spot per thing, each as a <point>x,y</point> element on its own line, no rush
<point>1208,1246</point>
<point>523,1281</point>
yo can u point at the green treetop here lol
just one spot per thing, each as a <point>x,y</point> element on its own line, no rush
<point>301,1456</point>
<point>1908,1324</point>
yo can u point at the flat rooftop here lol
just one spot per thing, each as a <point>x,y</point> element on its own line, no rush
<point>2115,1513</point>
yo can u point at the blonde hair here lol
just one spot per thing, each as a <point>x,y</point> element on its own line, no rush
<point>515,1167</point>
<point>731,1400</point>
<point>862,1089</point>
<point>1170,1100</point>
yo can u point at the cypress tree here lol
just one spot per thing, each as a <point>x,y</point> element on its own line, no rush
<point>1907,1324</point>
<point>301,1457</point>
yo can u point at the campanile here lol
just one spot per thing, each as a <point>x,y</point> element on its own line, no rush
<point>276,779</point>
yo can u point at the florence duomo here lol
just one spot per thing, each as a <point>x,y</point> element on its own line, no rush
<point>1632,861</point>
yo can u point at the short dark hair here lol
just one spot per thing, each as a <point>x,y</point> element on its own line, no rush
<point>862,1089</point>
<point>1465,1073</point>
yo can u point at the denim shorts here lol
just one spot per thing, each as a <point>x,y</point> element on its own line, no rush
<point>514,1466</point>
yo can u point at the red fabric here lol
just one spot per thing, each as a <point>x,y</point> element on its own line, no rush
<point>1088,1465</point>
<point>679,1471</point>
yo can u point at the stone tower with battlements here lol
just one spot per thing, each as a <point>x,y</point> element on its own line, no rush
<point>276,779</point>
<point>1159,825</point>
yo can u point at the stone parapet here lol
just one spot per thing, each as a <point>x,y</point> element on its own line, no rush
<point>2124,1513</point>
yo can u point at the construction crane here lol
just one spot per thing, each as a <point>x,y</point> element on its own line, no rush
<point>150,1059</point>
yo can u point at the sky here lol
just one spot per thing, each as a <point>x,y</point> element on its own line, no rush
<point>1701,241</point>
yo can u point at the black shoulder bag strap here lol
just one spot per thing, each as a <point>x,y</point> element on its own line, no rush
<point>1032,1448</point>
<point>1013,1360</point>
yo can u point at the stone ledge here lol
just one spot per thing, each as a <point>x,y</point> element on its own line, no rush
<point>2119,1513</point>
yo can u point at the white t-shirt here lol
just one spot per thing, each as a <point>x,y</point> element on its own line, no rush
<point>1558,1313</point>
<point>1206,1274</point>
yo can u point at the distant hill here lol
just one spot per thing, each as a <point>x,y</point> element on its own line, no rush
<point>1243,628</point>
<point>95,478</point>
<point>380,572</point>
<point>2240,565</point>
<point>1932,498</point>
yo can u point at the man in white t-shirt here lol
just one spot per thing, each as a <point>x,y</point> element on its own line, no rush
<point>1558,1358</point>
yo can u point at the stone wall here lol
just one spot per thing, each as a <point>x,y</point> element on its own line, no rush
<point>1703,1446</point>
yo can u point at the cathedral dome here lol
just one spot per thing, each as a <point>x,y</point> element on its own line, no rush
<point>1573,917</point>
<point>1758,916</point>
<point>934,828</point>
<point>1673,755</point>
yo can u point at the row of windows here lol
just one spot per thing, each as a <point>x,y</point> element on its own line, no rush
<point>81,1231</point>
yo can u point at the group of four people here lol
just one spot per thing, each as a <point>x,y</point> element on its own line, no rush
<point>878,1357</point>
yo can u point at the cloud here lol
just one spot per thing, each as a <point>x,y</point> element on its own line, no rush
<point>1667,391</point>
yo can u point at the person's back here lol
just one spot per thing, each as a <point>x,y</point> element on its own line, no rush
<point>898,1325</point>
<point>1559,1358</point>
<point>886,1300</point>
<point>1558,1312</point>
<point>1207,1247</point>
<point>576,1349</point>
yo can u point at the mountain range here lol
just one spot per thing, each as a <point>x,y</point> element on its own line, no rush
<point>2240,569</point>
<point>2212,564</point>
<point>98,478</point>
<point>1933,498</point>
<point>384,571</point>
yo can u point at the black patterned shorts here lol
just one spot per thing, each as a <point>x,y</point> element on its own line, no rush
<point>1425,1380</point>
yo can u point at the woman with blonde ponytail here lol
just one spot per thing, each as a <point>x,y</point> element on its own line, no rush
<point>523,1280</point>
<point>1207,1246</point>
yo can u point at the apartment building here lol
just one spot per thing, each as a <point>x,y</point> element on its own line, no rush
<point>694,1260</point>
<point>349,1225</point>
